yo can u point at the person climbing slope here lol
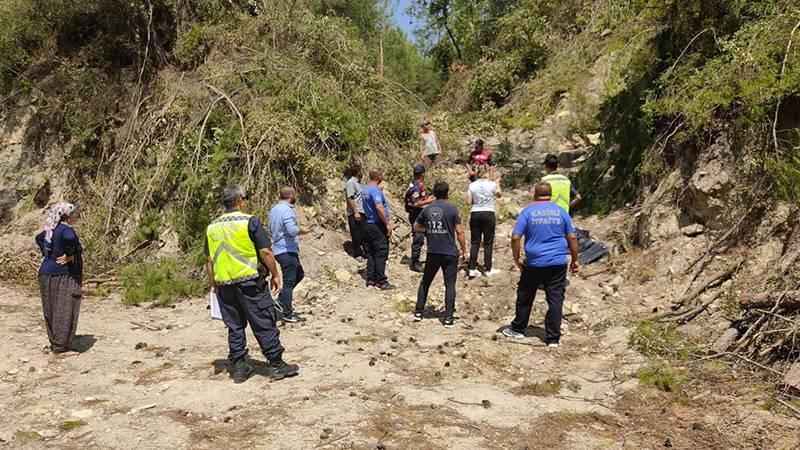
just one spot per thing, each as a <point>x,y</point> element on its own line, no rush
<point>429,144</point>
<point>478,156</point>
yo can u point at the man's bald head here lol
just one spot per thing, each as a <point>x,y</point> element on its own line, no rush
<point>286,193</point>
<point>542,191</point>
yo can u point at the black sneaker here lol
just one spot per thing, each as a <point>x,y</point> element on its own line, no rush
<point>279,370</point>
<point>449,322</point>
<point>386,286</point>
<point>417,316</point>
<point>417,267</point>
<point>242,371</point>
<point>294,318</point>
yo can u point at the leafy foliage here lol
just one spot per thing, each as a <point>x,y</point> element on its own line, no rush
<point>162,283</point>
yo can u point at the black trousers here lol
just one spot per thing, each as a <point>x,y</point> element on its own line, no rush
<point>554,280</point>
<point>417,237</point>
<point>244,303</point>
<point>358,235</point>
<point>378,252</point>
<point>481,227</point>
<point>449,266</point>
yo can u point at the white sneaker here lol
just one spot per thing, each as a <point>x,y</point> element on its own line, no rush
<point>493,272</point>
<point>474,273</point>
<point>508,332</point>
<point>552,345</point>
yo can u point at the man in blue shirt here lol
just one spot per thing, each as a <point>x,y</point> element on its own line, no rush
<point>284,230</point>
<point>379,231</point>
<point>549,235</point>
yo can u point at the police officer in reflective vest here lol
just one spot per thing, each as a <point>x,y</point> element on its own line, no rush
<point>234,243</point>
<point>564,193</point>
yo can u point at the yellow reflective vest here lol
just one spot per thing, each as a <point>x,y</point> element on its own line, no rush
<point>233,254</point>
<point>560,187</point>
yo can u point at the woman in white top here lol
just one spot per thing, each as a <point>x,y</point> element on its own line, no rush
<point>482,222</point>
<point>429,144</point>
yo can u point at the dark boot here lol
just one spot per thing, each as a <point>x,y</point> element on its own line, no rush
<point>279,370</point>
<point>242,371</point>
<point>417,266</point>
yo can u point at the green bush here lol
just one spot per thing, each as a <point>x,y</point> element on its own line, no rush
<point>162,284</point>
<point>193,46</point>
<point>663,377</point>
<point>492,83</point>
<point>658,339</point>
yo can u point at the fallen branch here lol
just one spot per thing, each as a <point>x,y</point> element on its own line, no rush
<point>687,316</point>
<point>788,405</point>
<point>148,327</point>
<point>787,300</point>
<point>712,281</point>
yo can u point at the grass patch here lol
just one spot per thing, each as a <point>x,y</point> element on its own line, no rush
<point>368,339</point>
<point>658,339</point>
<point>163,283</point>
<point>29,435</point>
<point>662,377</point>
<point>404,306</point>
<point>541,389</point>
<point>70,425</point>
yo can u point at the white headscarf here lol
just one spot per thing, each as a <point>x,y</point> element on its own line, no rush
<point>54,216</point>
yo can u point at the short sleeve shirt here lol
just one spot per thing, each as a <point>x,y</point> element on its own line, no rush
<point>483,193</point>
<point>545,226</point>
<point>257,234</point>
<point>373,199</point>
<point>440,219</point>
<point>354,189</point>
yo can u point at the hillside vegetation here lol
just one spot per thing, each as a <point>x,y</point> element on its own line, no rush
<point>678,73</point>
<point>145,109</point>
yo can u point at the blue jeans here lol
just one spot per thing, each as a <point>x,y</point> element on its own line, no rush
<point>244,303</point>
<point>293,274</point>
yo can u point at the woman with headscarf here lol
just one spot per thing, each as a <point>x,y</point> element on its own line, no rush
<point>60,276</point>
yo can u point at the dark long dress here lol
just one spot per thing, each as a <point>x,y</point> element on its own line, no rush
<point>60,286</point>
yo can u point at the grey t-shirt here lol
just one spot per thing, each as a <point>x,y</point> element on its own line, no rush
<point>440,219</point>
<point>353,190</point>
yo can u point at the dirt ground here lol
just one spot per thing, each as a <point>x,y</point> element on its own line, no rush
<point>370,377</point>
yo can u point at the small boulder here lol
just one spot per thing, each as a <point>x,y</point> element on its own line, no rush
<point>342,275</point>
<point>725,341</point>
<point>693,230</point>
<point>595,138</point>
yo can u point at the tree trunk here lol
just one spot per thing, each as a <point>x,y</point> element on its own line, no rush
<point>767,300</point>
<point>454,41</point>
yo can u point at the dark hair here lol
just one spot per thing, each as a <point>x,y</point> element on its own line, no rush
<point>542,190</point>
<point>352,171</point>
<point>441,189</point>
<point>551,161</point>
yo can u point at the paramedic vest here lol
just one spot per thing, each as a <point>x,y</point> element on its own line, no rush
<point>560,187</point>
<point>233,254</point>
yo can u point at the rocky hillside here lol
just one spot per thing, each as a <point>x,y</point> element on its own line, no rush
<point>139,112</point>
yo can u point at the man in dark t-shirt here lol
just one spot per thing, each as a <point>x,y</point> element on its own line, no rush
<point>441,223</point>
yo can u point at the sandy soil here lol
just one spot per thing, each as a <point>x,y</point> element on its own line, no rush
<point>370,377</point>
